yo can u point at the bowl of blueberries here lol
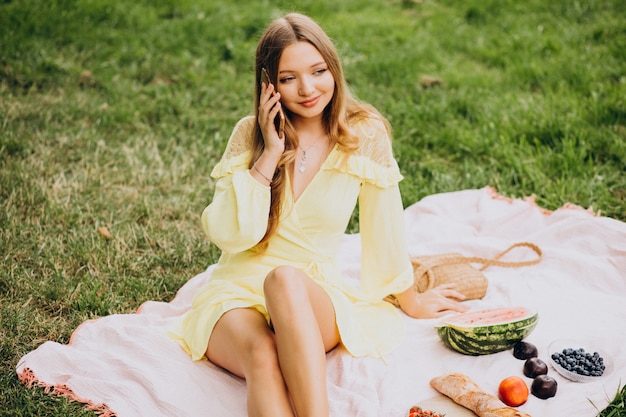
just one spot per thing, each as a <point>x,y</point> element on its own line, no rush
<point>579,362</point>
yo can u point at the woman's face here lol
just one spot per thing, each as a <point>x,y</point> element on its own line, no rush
<point>305,84</point>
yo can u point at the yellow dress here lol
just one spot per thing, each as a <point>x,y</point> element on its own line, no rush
<point>308,237</point>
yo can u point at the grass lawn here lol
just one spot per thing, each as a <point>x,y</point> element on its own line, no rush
<point>113,113</point>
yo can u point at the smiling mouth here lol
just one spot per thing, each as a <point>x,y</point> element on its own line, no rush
<point>310,103</point>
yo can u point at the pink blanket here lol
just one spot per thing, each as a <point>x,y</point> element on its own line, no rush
<point>125,365</point>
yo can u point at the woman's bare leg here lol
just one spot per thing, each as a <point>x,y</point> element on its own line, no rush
<point>242,343</point>
<point>303,318</point>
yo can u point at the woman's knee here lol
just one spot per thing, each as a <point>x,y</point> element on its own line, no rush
<point>285,283</point>
<point>262,356</point>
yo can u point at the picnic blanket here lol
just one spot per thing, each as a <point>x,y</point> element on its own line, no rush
<point>125,365</point>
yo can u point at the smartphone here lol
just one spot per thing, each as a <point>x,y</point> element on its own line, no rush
<point>280,119</point>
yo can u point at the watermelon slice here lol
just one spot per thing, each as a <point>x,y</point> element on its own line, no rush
<point>487,331</point>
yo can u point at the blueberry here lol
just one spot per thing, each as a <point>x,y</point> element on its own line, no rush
<point>579,361</point>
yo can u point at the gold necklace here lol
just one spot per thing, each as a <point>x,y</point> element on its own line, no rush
<point>302,167</point>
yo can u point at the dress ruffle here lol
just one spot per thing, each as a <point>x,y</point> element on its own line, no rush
<point>373,163</point>
<point>366,169</point>
<point>355,165</point>
<point>228,166</point>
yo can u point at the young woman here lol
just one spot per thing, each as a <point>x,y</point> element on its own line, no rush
<point>276,301</point>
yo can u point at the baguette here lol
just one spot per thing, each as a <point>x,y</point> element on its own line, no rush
<point>465,392</point>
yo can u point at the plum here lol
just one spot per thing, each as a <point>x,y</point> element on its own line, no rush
<point>543,387</point>
<point>524,350</point>
<point>534,367</point>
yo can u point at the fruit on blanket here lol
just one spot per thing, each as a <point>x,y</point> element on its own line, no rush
<point>533,367</point>
<point>580,362</point>
<point>543,387</point>
<point>417,411</point>
<point>524,350</point>
<point>513,391</point>
<point>487,331</point>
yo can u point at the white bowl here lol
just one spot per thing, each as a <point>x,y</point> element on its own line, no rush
<point>559,345</point>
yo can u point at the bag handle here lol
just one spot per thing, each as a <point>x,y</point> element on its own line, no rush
<point>495,261</point>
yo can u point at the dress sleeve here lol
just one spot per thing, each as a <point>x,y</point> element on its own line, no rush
<point>236,219</point>
<point>385,263</point>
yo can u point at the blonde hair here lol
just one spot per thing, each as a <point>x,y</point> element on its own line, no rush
<point>340,113</point>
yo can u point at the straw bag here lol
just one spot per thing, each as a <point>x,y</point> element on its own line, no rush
<point>454,268</point>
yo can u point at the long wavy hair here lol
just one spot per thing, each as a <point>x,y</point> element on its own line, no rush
<point>338,115</point>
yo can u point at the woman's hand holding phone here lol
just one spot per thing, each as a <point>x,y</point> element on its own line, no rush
<point>273,134</point>
<point>271,117</point>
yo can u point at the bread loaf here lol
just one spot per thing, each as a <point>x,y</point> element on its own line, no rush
<point>463,391</point>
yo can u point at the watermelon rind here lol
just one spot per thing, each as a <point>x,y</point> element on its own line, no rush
<point>480,339</point>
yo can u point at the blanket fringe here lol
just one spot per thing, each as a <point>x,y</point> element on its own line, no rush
<point>28,378</point>
<point>531,200</point>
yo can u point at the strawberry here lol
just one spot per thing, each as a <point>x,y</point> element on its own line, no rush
<point>417,411</point>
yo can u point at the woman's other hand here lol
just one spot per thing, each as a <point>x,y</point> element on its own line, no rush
<point>433,303</point>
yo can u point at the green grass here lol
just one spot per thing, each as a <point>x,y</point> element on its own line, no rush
<point>113,113</point>
<point>617,406</point>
